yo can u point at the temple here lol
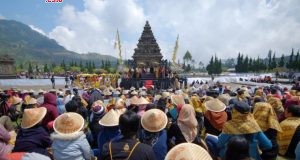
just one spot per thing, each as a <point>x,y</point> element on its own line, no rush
<point>147,52</point>
<point>7,68</point>
<point>147,67</point>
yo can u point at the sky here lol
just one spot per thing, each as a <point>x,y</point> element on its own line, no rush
<point>205,27</point>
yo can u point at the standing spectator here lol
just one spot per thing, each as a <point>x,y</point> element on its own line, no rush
<point>53,81</point>
<point>67,81</point>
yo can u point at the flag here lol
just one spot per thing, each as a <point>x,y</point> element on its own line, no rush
<point>118,46</point>
<point>175,50</point>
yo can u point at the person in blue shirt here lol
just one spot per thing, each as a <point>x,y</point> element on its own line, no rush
<point>153,132</point>
<point>244,125</point>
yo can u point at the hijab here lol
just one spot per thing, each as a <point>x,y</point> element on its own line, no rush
<point>187,122</point>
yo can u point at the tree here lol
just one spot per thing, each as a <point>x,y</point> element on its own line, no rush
<point>30,70</point>
<point>63,65</point>
<point>209,67</point>
<point>296,62</point>
<point>46,68</point>
<point>187,57</point>
<point>270,59</point>
<point>193,63</point>
<point>290,63</point>
<point>281,62</point>
<point>37,68</point>
<point>273,63</point>
<point>201,65</point>
<point>214,66</point>
<point>21,66</point>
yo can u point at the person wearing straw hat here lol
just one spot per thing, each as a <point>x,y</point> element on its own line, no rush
<point>243,124</point>
<point>188,151</point>
<point>175,104</point>
<point>266,118</point>
<point>110,124</point>
<point>185,129</point>
<point>214,116</point>
<point>153,132</point>
<point>120,106</point>
<point>141,103</point>
<point>29,102</point>
<point>127,146</point>
<point>69,141</point>
<point>32,137</point>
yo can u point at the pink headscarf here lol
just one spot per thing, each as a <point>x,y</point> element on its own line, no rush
<point>187,122</point>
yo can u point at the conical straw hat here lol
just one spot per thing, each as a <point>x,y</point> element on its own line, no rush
<point>142,101</point>
<point>68,123</point>
<point>134,100</point>
<point>177,99</point>
<point>188,151</point>
<point>215,105</point>
<point>110,119</point>
<point>32,116</point>
<point>154,120</point>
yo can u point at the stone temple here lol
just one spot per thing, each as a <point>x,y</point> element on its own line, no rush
<point>147,67</point>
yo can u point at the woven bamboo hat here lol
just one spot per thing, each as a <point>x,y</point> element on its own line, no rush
<point>68,123</point>
<point>16,100</point>
<point>215,105</point>
<point>32,116</point>
<point>110,119</point>
<point>142,101</point>
<point>188,151</point>
<point>177,99</point>
<point>154,120</point>
<point>134,100</point>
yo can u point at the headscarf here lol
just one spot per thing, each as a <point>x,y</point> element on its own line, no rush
<point>216,119</point>
<point>187,122</point>
<point>196,103</point>
<point>266,117</point>
<point>241,124</point>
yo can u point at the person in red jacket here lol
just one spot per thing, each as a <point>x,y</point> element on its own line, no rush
<point>50,105</point>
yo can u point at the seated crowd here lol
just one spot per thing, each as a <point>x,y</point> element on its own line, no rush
<point>203,122</point>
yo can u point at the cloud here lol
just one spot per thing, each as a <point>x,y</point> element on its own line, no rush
<point>2,17</point>
<point>205,27</point>
<point>94,28</point>
<point>37,29</point>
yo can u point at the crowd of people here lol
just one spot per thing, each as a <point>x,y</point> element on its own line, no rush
<point>203,121</point>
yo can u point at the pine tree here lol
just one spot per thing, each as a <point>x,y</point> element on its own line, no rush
<point>273,63</point>
<point>30,71</point>
<point>270,59</point>
<point>46,68</point>
<point>290,63</point>
<point>93,65</point>
<point>296,61</point>
<point>210,65</point>
<point>21,66</point>
<point>281,62</point>
<point>37,68</point>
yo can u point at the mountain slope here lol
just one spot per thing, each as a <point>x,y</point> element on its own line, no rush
<point>24,44</point>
